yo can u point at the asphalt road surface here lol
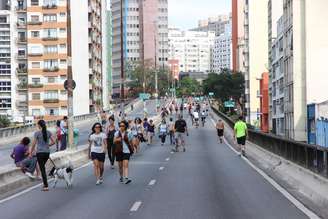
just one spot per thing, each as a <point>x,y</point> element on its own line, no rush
<point>207,181</point>
<point>84,131</point>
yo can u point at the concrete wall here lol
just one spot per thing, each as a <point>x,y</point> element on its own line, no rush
<point>316,50</point>
<point>80,54</point>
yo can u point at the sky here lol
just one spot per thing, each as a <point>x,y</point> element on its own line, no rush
<point>185,14</point>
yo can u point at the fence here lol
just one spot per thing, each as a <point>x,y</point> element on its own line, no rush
<point>309,156</point>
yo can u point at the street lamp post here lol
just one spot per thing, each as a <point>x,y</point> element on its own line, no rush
<point>122,64</point>
<point>70,123</point>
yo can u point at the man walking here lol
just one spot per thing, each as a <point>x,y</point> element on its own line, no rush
<point>240,133</point>
<point>180,128</point>
<point>220,130</point>
<point>63,128</point>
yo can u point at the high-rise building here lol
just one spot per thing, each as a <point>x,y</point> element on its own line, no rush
<point>145,35</point>
<point>214,24</point>
<point>109,39</point>
<point>255,55</point>
<point>193,49</point>
<point>35,38</point>
<point>221,54</point>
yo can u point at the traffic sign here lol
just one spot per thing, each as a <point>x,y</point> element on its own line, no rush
<point>229,104</point>
<point>144,96</point>
<point>71,85</point>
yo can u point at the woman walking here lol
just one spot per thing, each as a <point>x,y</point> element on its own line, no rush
<point>171,131</point>
<point>97,151</point>
<point>110,140</point>
<point>43,140</point>
<point>163,131</point>
<point>151,131</point>
<point>123,151</point>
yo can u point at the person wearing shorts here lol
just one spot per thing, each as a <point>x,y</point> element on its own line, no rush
<point>180,128</point>
<point>220,130</point>
<point>240,133</point>
<point>97,151</point>
<point>123,151</point>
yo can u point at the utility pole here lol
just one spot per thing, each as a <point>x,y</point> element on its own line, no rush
<point>122,64</point>
<point>156,73</point>
<point>70,80</point>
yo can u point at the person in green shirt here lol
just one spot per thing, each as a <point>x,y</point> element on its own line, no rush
<point>240,133</point>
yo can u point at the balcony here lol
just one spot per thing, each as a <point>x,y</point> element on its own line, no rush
<point>21,25</point>
<point>48,38</point>
<point>21,56</point>
<point>22,86</point>
<point>54,100</point>
<point>21,71</point>
<point>21,103</point>
<point>34,22</point>
<point>52,69</point>
<point>20,8</point>
<point>35,54</point>
<point>21,40</point>
<point>53,6</point>
<point>35,85</point>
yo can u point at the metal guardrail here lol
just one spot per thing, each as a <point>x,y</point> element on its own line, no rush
<point>312,157</point>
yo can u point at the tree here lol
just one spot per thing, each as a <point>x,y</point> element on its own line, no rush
<point>4,122</point>
<point>188,86</point>
<point>225,85</point>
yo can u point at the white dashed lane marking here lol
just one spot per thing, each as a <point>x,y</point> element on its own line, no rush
<point>136,206</point>
<point>161,168</point>
<point>167,159</point>
<point>152,182</point>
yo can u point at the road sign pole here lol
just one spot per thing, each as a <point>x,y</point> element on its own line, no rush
<point>70,124</point>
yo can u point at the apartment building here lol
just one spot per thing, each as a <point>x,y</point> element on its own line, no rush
<point>145,34</point>
<point>215,24</point>
<point>34,39</point>
<point>221,54</point>
<point>276,82</point>
<point>192,49</point>
<point>109,40</point>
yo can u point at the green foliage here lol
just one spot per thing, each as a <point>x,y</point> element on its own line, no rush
<point>188,86</point>
<point>225,85</point>
<point>4,122</point>
<point>140,74</point>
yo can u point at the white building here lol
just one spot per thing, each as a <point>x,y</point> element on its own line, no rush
<point>192,49</point>
<point>221,55</point>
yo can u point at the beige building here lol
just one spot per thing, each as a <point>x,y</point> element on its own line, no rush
<point>256,54</point>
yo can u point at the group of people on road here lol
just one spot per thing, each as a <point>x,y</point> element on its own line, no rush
<point>61,134</point>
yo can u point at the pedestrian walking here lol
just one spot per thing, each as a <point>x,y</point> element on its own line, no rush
<point>64,131</point>
<point>240,133</point>
<point>171,131</point>
<point>123,151</point>
<point>151,131</point>
<point>58,135</point>
<point>163,129</point>
<point>110,130</point>
<point>220,130</point>
<point>97,151</point>
<point>103,118</point>
<point>181,130</point>
<point>145,128</point>
<point>42,140</point>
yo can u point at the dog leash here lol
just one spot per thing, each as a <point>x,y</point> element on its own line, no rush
<point>53,163</point>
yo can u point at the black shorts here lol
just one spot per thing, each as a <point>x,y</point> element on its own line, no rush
<point>220,132</point>
<point>123,156</point>
<point>241,140</point>
<point>98,156</point>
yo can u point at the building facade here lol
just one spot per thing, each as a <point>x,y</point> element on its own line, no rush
<point>39,38</point>
<point>145,35</point>
<point>214,24</point>
<point>193,49</point>
<point>221,54</point>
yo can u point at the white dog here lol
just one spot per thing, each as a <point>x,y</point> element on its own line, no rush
<point>65,173</point>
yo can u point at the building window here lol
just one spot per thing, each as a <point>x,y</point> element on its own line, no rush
<point>36,112</point>
<point>35,34</point>
<point>62,30</point>
<point>36,96</point>
<point>35,18</point>
<point>50,18</point>
<point>51,63</point>
<point>62,14</point>
<point>35,2</point>
<point>51,33</point>
<point>35,64</point>
<point>62,46</point>
<point>36,50</point>
<point>36,81</point>
<point>50,49</point>
<point>49,2</point>
<point>52,80</point>
<point>63,61</point>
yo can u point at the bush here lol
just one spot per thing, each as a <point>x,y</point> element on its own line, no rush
<point>4,122</point>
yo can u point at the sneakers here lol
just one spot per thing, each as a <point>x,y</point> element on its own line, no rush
<point>127,181</point>
<point>29,175</point>
<point>101,180</point>
<point>98,182</point>
<point>121,180</point>
<point>184,149</point>
<point>243,153</point>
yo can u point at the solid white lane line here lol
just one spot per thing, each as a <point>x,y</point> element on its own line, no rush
<point>34,187</point>
<point>282,190</point>
<point>152,182</point>
<point>161,168</point>
<point>136,206</point>
<point>167,159</point>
